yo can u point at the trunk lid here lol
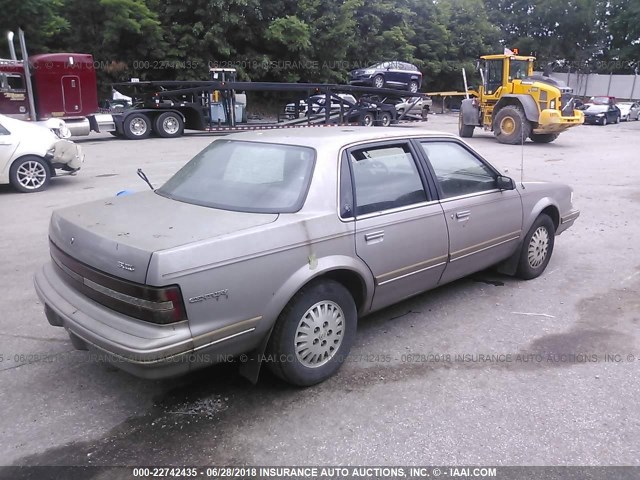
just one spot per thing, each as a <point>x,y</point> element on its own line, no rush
<point>118,235</point>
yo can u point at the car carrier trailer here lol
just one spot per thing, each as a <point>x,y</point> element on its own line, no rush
<point>64,86</point>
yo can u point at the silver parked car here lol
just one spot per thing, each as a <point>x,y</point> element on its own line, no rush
<point>629,111</point>
<point>272,244</point>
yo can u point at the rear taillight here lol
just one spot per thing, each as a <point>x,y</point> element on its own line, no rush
<point>161,305</point>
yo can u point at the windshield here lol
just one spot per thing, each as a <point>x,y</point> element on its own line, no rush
<point>245,177</point>
<point>596,108</point>
<point>600,100</point>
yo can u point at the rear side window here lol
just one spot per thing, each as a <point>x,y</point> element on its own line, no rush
<point>245,177</point>
<point>385,177</point>
<point>4,131</point>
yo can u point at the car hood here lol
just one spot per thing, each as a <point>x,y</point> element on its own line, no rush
<point>595,109</point>
<point>27,129</point>
<point>119,235</point>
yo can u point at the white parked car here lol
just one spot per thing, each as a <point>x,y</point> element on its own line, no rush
<point>30,153</point>
<point>629,111</point>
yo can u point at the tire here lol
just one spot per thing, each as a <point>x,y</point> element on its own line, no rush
<point>543,137</point>
<point>537,248</point>
<point>604,121</point>
<point>465,131</point>
<point>378,81</point>
<point>30,174</point>
<point>385,119</point>
<point>425,115</point>
<point>367,119</point>
<point>413,86</point>
<point>519,127</point>
<point>137,126</point>
<point>326,310</point>
<point>169,125</point>
<point>617,120</point>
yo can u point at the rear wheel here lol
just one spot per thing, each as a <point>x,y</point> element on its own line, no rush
<point>543,137</point>
<point>510,126</point>
<point>465,131</point>
<point>169,125</point>
<point>137,126</point>
<point>537,248</point>
<point>367,119</point>
<point>313,334</point>
<point>385,119</point>
<point>30,174</point>
<point>413,86</point>
<point>378,81</point>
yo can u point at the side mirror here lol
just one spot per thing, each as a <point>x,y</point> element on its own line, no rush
<point>505,183</point>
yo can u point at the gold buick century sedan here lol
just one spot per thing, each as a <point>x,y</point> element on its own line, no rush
<point>273,244</point>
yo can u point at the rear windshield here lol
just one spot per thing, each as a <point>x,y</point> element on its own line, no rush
<point>245,177</point>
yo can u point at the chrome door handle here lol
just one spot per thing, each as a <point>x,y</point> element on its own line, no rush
<point>463,215</point>
<point>379,235</point>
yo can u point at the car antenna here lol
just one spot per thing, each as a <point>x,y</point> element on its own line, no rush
<point>522,158</point>
<point>144,177</point>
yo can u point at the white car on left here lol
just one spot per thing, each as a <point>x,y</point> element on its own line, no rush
<point>30,153</point>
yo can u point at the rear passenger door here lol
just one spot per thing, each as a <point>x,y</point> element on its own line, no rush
<point>401,233</point>
<point>484,223</point>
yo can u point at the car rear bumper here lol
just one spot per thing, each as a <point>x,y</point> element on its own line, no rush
<point>141,348</point>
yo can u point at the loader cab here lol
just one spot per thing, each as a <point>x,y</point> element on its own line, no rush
<point>499,71</point>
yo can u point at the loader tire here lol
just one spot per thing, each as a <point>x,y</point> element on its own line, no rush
<point>510,126</point>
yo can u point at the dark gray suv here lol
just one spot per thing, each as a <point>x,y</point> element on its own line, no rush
<point>394,74</point>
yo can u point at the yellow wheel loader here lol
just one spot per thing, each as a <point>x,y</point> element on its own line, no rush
<point>516,104</point>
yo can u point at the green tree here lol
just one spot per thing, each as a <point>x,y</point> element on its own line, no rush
<point>40,19</point>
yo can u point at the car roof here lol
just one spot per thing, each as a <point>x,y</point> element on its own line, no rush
<point>318,137</point>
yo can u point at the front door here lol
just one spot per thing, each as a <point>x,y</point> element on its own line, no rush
<point>484,223</point>
<point>401,233</point>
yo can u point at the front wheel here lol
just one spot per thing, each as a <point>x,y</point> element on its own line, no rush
<point>413,87</point>
<point>510,125</point>
<point>30,174</point>
<point>378,81</point>
<point>604,121</point>
<point>537,248</point>
<point>314,334</point>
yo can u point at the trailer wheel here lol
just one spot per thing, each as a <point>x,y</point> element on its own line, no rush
<point>385,119</point>
<point>510,126</point>
<point>367,119</point>
<point>465,131</point>
<point>169,125</point>
<point>137,126</point>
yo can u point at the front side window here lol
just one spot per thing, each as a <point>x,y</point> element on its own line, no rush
<point>385,177</point>
<point>457,170</point>
<point>245,177</point>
